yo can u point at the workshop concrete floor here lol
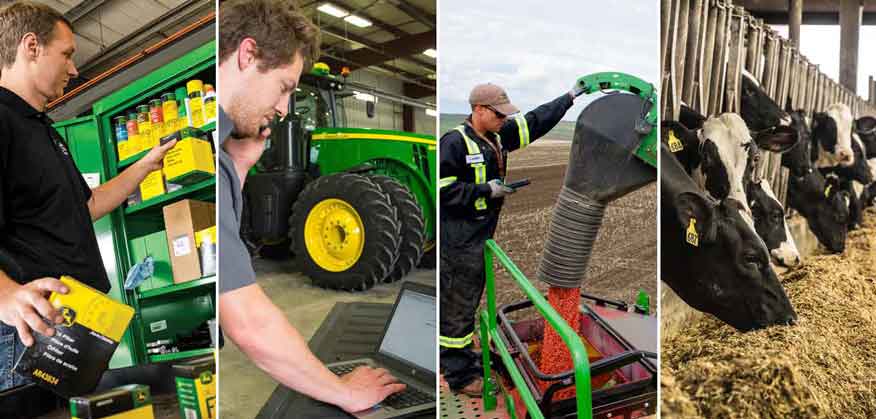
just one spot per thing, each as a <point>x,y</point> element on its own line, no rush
<point>243,388</point>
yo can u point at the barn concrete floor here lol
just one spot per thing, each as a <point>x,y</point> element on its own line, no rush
<point>243,388</point>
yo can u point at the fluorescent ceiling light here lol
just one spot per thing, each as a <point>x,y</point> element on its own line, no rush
<point>365,97</point>
<point>430,53</point>
<point>431,112</point>
<point>331,9</point>
<point>358,21</point>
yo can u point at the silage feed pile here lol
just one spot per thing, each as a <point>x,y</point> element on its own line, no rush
<point>823,367</point>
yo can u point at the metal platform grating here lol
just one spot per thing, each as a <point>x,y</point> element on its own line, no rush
<point>460,406</point>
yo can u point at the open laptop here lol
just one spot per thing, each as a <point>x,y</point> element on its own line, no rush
<point>407,350</point>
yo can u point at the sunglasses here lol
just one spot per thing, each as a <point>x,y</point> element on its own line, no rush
<point>498,114</point>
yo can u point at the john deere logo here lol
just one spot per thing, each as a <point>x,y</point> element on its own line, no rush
<point>69,316</point>
<point>206,377</point>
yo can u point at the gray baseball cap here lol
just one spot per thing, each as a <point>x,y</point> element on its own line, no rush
<point>490,94</point>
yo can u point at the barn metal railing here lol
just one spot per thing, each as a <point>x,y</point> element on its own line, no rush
<point>705,47</point>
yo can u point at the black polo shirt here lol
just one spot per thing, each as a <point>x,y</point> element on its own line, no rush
<point>45,226</point>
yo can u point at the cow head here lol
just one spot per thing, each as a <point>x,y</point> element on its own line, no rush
<point>734,279</point>
<point>770,224</point>
<point>825,206</point>
<point>757,109</point>
<point>832,136</point>
<point>865,127</point>
<point>860,170</point>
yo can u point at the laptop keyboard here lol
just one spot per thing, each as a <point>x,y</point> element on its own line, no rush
<point>408,398</point>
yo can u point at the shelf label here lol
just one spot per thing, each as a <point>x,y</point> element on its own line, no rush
<point>158,326</point>
<point>92,179</point>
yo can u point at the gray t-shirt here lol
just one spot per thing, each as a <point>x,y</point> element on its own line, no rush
<point>235,265</point>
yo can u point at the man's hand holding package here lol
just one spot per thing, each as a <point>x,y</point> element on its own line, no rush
<point>22,305</point>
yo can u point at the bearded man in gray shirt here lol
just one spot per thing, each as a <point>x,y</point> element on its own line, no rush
<point>263,47</point>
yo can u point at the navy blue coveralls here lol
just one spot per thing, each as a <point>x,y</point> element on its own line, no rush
<point>469,218</point>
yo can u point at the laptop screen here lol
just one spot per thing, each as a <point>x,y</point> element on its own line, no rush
<point>411,333</point>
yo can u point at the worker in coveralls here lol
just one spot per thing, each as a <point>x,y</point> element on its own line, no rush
<point>474,158</point>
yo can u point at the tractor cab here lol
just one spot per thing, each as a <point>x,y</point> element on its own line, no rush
<point>316,104</point>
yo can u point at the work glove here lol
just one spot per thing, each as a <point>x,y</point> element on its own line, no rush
<point>498,189</point>
<point>577,90</point>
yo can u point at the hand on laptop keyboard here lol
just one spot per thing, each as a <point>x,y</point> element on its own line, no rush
<point>369,386</point>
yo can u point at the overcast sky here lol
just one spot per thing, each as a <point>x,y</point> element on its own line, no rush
<point>821,45</point>
<point>536,51</point>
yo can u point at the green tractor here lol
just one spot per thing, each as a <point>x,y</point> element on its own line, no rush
<point>356,207</point>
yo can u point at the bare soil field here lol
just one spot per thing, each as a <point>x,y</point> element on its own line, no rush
<point>625,255</point>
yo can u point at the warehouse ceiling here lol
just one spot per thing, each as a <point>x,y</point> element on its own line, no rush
<point>110,31</point>
<point>815,12</point>
<point>393,43</point>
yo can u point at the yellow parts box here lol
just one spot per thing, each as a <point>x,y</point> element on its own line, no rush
<point>189,161</point>
<point>152,186</point>
<point>132,401</point>
<point>196,388</point>
<point>71,362</point>
<point>181,220</point>
<point>128,148</point>
<point>208,234</point>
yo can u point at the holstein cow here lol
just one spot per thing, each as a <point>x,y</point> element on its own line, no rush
<point>712,258</point>
<point>719,155</point>
<point>853,179</point>
<point>824,205</point>
<point>832,137</point>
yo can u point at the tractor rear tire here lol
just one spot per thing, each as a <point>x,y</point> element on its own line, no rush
<point>367,221</point>
<point>413,226</point>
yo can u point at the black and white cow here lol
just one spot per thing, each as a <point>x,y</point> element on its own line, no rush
<point>865,127</point>
<point>853,179</point>
<point>823,204</point>
<point>712,258</point>
<point>719,154</point>
<point>832,137</point>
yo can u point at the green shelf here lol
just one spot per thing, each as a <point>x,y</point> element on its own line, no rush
<point>164,198</point>
<point>177,288</point>
<point>131,160</point>
<point>180,355</point>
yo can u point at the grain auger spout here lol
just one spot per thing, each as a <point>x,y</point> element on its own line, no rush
<point>613,153</point>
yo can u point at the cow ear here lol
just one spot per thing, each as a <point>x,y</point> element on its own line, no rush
<point>670,131</point>
<point>777,139</point>
<point>697,214</point>
<point>865,124</point>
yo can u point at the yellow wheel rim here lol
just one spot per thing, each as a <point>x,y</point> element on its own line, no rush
<point>334,235</point>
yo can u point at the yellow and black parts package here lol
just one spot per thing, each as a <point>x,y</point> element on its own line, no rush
<point>132,401</point>
<point>196,388</point>
<point>71,362</point>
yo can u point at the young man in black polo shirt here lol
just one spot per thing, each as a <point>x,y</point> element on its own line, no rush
<point>46,208</point>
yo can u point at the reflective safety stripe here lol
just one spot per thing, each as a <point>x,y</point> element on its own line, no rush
<point>446,181</point>
<point>455,343</point>
<point>480,170</point>
<point>522,130</point>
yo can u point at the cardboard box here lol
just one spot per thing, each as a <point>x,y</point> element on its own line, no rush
<point>189,161</point>
<point>196,388</point>
<point>152,186</point>
<point>154,245</point>
<point>181,220</point>
<point>132,401</point>
<point>71,362</point>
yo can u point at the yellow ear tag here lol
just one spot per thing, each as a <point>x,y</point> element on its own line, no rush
<point>692,237</point>
<point>827,190</point>
<point>675,144</point>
